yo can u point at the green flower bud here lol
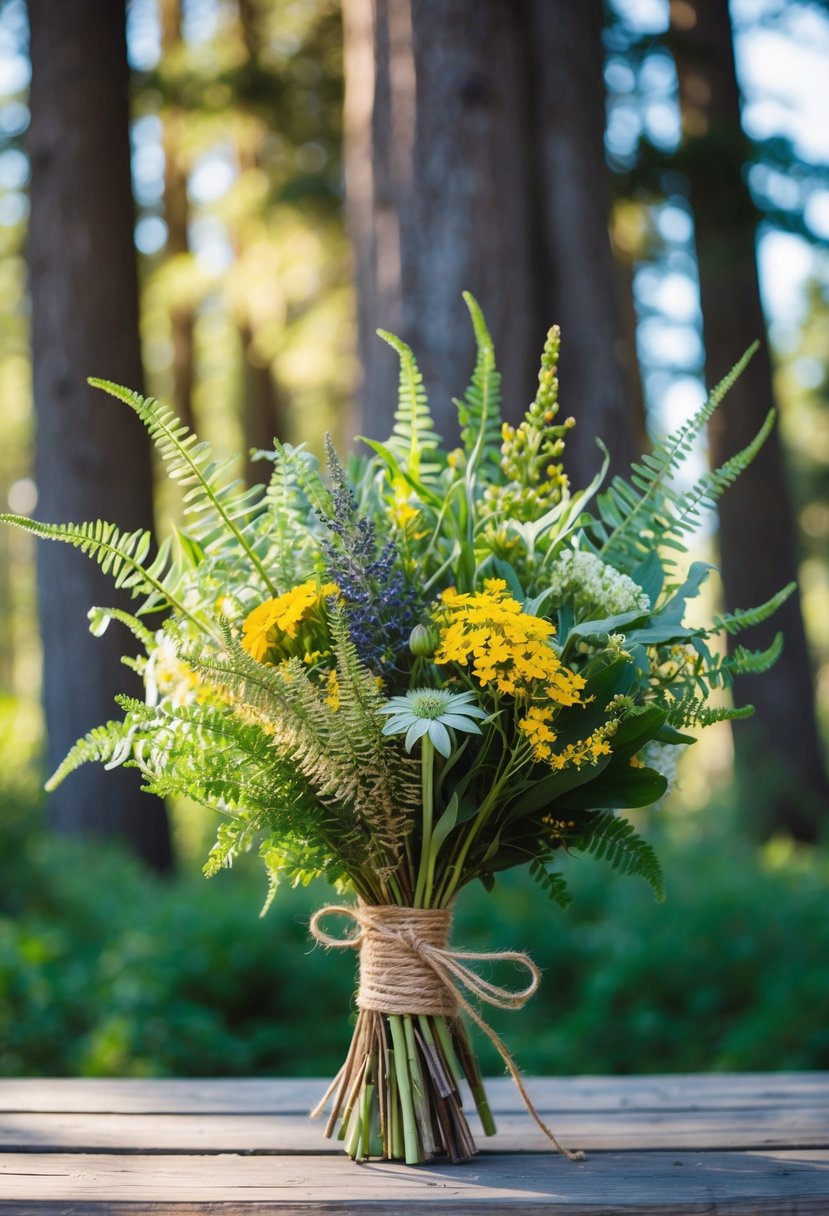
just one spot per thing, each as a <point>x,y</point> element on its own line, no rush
<point>423,641</point>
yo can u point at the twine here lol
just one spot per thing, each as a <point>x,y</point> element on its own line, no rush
<point>406,967</point>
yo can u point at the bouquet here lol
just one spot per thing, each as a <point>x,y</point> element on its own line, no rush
<point>412,673</point>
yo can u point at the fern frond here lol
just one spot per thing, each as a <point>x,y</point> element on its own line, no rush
<point>99,619</point>
<point>341,753</point>
<point>745,618</point>
<point>551,882</point>
<point>695,711</point>
<point>479,413</point>
<point>304,471</point>
<point>234,836</point>
<point>609,836</point>
<point>637,516</point>
<point>708,490</point>
<point>189,462</point>
<point>109,744</point>
<point>413,440</point>
<point>289,515</point>
<point>389,791</point>
<point>754,662</point>
<point>123,556</point>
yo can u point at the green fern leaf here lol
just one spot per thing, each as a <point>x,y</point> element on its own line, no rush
<point>109,744</point>
<point>695,711</point>
<point>121,555</point>
<point>211,494</point>
<point>99,619</point>
<point>479,413</point>
<point>289,515</point>
<point>637,517</point>
<point>745,618</point>
<point>413,440</point>
<point>754,662</point>
<point>551,882</point>
<point>609,836</point>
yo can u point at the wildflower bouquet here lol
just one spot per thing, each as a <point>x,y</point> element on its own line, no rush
<point>412,674</point>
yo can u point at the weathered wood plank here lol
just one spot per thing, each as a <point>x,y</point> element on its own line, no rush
<point>670,1184</point>
<point>272,1096</point>
<point>744,1128</point>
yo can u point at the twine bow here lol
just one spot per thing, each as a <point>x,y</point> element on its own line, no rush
<point>393,940</point>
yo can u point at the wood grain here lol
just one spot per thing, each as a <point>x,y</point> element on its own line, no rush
<point>745,1145</point>
<point>296,1096</point>
<point>296,1134</point>
<point>667,1183</point>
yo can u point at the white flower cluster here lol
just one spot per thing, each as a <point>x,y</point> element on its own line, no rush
<point>664,757</point>
<point>166,677</point>
<point>597,589</point>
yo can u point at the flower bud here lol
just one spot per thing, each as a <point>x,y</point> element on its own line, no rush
<point>423,641</point>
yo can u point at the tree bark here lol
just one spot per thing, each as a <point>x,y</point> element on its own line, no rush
<point>475,160</point>
<point>177,216</point>
<point>93,457</point>
<point>437,164</point>
<point>581,285</point>
<point>264,414</point>
<point>779,763</point>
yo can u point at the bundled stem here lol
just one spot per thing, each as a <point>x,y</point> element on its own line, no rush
<point>397,1094</point>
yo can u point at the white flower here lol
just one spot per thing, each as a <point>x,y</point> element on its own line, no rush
<point>429,711</point>
<point>166,677</point>
<point>597,589</point>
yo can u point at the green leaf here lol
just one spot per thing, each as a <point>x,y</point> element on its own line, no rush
<point>650,576</point>
<point>444,826</point>
<point>618,785</point>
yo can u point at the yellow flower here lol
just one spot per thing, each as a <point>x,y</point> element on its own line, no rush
<point>402,511</point>
<point>282,615</point>
<point>332,695</point>
<point>504,645</point>
<point>536,726</point>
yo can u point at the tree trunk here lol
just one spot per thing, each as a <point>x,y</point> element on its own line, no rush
<point>581,283</point>
<point>176,216</point>
<point>264,414</point>
<point>437,163</point>
<point>779,764</point>
<point>93,457</point>
<point>475,159</point>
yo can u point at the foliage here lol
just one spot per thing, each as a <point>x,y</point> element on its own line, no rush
<point>530,650</point>
<point>105,970</point>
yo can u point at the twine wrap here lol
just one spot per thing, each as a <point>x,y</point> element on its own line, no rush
<point>406,967</point>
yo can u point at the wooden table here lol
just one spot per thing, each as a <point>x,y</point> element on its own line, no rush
<point>749,1144</point>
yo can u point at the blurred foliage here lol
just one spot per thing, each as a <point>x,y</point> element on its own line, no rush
<point>105,970</point>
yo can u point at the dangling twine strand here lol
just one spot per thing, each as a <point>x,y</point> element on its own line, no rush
<point>406,967</point>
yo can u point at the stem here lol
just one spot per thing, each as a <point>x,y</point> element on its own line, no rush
<point>395,1130</point>
<point>427,780</point>
<point>410,1140</point>
<point>473,1076</point>
<point>448,1048</point>
<point>453,873</point>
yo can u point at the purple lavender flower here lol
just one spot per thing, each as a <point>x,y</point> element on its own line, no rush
<point>379,603</point>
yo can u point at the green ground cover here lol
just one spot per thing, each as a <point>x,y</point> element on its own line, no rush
<point>107,971</point>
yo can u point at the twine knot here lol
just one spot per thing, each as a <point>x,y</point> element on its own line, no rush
<point>406,967</point>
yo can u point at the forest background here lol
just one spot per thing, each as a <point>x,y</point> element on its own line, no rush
<point>295,173</point>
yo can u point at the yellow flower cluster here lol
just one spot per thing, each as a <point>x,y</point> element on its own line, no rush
<point>510,650</point>
<point>504,645</point>
<point>536,726</point>
<point>282,615</point>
